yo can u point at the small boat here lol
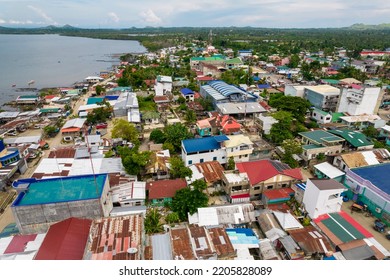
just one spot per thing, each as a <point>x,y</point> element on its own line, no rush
<point>31,82</point>
<point>13,85</point>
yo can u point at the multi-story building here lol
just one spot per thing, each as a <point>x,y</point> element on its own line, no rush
<point>320,142</point>
<point>323,97</point>
<point>357,100</point>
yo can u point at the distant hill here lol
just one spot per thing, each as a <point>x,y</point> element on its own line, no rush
<point>361,26</point>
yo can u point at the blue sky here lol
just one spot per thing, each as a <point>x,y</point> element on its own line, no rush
<point>197,13</point>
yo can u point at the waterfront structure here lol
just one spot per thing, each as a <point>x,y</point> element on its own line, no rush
<point>43,202</point>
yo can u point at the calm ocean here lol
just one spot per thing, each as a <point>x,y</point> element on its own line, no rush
<point>54,61</point>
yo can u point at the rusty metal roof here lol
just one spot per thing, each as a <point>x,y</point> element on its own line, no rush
<point>118,238</point>
<point>63,153</point>
<point>211,170</point>
<point>201,243</point>
<point>311,241</point>
<point>221,242</point>
<point>181,244</point>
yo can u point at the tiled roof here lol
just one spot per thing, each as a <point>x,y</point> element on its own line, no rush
<point>261,170</point>
<point>165,188</point>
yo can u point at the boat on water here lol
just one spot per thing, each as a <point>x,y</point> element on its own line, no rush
<point>31,82</point>
<point>13,85</point>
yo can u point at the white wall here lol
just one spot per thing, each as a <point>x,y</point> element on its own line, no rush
<point>219,154</point>
<point>291,90</point>
<point>364,102</point>
<point>162,88</point>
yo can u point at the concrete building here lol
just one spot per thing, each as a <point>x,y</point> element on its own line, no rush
<point>127,105</point>
<point>322,196</point>
<point>265,123</point>
<point>359,100</point>
<point>236,186</point>
<point>385,133</point>
<point>74,127</point>
<point>321,117</point>
<point>319,142</point>
<point>354,140</point>
<point>327,171</point>
<point>323,97</point>
<point>129,194</point>
<point>240,110</point>
<point>41,203</point>
<point>294,90</point>
<point>239,147</point>
<point>361,159</point>
<point>361,122</point>
<point>163,85</point>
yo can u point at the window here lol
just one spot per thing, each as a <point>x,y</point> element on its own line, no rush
<point>201,160</point>
<point>284,185</point>
<point>190,162</point>
<point>236,188</point>
<point>256,188</point>
<point>269,187</point>
<point>214,158</point>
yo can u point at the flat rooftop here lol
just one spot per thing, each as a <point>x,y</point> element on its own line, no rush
<point>61,189</point>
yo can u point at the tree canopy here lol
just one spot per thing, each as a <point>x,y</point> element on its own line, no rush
<point>297,106</point>
<point>152,222</point>
<point>178,169</point>
<point>133,161</point>
<point>175,133</point>
<point>125,130</point>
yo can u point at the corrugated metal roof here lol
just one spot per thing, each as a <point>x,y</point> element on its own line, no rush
<point>181,244</point>
<point>201,144</point>
<point>161,247</point>
<point>65,240</point>
<point>329,170</point>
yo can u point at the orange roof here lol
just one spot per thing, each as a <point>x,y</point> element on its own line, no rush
<point>70,129</point>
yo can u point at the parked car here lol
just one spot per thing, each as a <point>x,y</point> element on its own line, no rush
<point>101,125</point>
<point>379,226</point>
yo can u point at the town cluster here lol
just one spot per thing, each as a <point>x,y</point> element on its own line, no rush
<point>195,153</point>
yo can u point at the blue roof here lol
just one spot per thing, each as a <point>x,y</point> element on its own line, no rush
<point>377,175</point>
<point>61,189</point>
<point>302,186</point>
<point>242,236</point>
<point>186,91</point>
<point>263,86</point>
<point>203,144</point>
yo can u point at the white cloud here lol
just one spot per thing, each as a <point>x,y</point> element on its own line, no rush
<point>42,14</point>
<point>2,21</point>
<point>150,17</point>
<point>113,16</point>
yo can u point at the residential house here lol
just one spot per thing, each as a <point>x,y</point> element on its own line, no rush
<point>162,102</point>
<point>320,142</point>
<point>294,90</point>
<point>27,99</point>
<point>321,117</point>
<point>322,196</point>
<point>238,147</point>
<point>129,194</point>
<point>181,243</point>
<point>203,127</point>
<point>65,240</point>
<point>354,140</point>
<point>162,191</point>
<point>323,97</point>
<point>228,125</point>
<point>361,159</point>
<point>236,186</point>
<point>233,63</point>
<point>151,117</point>
<point>163,85</point>
<point>276,196</point>
<point>127,105</point>
<point>199,150</point>
<point>116,238</point>
<point>210,171</point>
<point>265,123</point>
<point>361,122</point>
<point>268,174</point>
<point>74,127</point>
<point>20,246</point>
<point>93,79</point>
<point>245,54</point>
<point>188,94</point>
<point>158,166</point>
<point>240,110</point>
<point>325,170</point>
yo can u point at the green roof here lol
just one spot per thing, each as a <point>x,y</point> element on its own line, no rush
<point>235,60</point>
<point>321,112</point>
<point>150,115</point>
<point>49,110</point>
<point>311,147</point>
<point>336,116</point>
<point>331,81</point>
<point>355,138</point>
<point>320,136</point>
<point>207,58</point>
<point>119,89</point>
<point>94,100</point>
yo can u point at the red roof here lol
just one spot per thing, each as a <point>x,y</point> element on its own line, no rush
<point>229,125</point>
<point>65,240</point>
<point>244,195</point>
<point>205,78</point>
<point>261,170</point>
<point>165,188</point>
<point>197,95</point>
<point>50,96</point>
<point>265,105</point>
<point>278,193</point>
<point>18,243</point>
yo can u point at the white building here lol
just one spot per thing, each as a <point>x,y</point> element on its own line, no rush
<point>163,85</point>
<point>266,123</point>
<point>322,196</point>
<point>321,117</point>
<point>219,148</point>
<point>359,101</point>
<point>129,194</point>
<point>294,90</point>
<point>360,122</point>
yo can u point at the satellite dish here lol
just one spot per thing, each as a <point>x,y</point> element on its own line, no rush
<point>132,250</point>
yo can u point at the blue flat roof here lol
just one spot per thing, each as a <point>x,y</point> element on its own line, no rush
<point>203,144</point>
<point>61,189</point>
<point>377,175</point>
<point>186,91</point>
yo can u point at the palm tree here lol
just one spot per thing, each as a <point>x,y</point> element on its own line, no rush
<point>152,222</point>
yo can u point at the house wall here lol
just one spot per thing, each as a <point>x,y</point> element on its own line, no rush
<point>276,182</point>
<point>290,90</point>
<point>320,101</point>
<point>318,202</point>
<point>219,155</point>
<point>240,153</point>
<point>358,102</point>
<point>162,88</point>
<point>328,150</point>
<point>320,118</point>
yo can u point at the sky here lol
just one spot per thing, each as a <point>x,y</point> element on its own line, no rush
<point>195,13</point>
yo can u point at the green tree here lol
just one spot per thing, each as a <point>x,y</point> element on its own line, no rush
<point>178,169</point>
<point>157,136</point>
<point>371,132</point>
<point>294,61</point>
<point>172,218</point>
<point>99,89</point>
<point>125,130</point>
<point>169,146</point>
<point>297,106</point>
<point>175,133</point>
<point>152,222</point>
<point>188,201</point>
<point>292,146</point>
<point>132,160</point>
<point>190,117</point>
<point>50,130</point>
<point>281,130</point>
<point>181,100</point>
<point>231,164</point>
<point>100,114</point>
